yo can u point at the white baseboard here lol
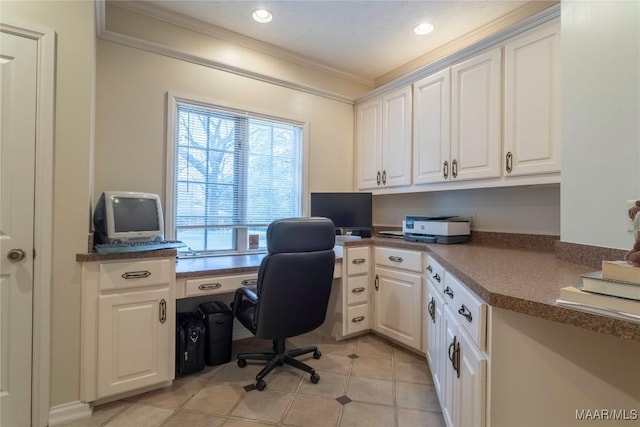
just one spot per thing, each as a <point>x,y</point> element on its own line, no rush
<point>69,412</point>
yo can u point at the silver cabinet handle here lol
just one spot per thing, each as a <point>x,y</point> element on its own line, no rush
<point>445,169</point>
<point>449,292</point>
<point>358,261</point>
<point>377,282</point>
<point>395,258</point>
<point>509,162</point>
<point>357,319</point>
<point>378,177</point>
<point>249,282</point>
<point>454,168</point>
<point>209,286</point>
<point>464,312</point>
<point>384,177</point>
<point>358,290</point>
<point>163,311</point>
<point>429,269</point>
<point>431,309</point>
<point>437,277</point>
<point>136,274</point>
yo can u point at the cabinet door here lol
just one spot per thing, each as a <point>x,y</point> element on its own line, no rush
<point>431,128</point>
<point>135,348</point>
<point>398,306</point>
<point>369,144</point>
<point>475,117</point>
<point>532,103</point>
<point>435,339</point>
<point>471,389</point>
<point>449,375</point>
<point>396,138</point>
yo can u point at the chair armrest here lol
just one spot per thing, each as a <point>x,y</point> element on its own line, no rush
<point>248,293</point>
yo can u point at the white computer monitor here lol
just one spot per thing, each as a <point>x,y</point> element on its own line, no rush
<point>128,216</point>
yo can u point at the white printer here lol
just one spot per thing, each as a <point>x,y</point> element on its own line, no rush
<point>436,229</point>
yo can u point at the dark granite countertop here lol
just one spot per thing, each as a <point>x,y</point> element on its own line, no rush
<point>94,256</point>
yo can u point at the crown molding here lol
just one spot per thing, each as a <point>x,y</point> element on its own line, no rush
<point>237,39</point>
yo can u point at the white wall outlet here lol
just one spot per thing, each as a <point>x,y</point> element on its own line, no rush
<point>630,204</point>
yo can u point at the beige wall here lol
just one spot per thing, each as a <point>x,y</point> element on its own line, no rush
<point>74,25</point>
<point>532,209</point>
<point>131,126</point>
<point>600,120</point>
<point>543,371</point>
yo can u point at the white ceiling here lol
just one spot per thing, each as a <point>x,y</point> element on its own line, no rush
<point>366,39</point>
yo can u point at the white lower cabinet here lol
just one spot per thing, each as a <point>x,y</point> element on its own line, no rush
<point>133,338</point>
<point>458,366</point>
<point>355,290</point>
<point>397,299</point>
<point>128,326</point>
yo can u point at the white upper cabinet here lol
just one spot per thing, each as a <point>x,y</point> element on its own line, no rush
<point>369,143</point>
<point>475,117</point>
<point>532,102</point>
<point>431,128</point>
<point>383,141</point>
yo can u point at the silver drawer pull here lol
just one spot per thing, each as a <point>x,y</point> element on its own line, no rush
<point>395,258</point>
<point>358,290</point>
<point>429,269</point>
<point>437,277</point>
<point>464,312</point>
<point>136,274</point>
<point>249,282</point>
<point>163,310</point>
<point>449,292</point>
<point>209,286</point>
<point>357,319</point>
<point>358,261</point>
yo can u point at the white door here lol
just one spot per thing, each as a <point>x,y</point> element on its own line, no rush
<point>18,61</point>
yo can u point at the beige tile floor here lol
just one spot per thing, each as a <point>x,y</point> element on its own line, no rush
<point>387,386</point>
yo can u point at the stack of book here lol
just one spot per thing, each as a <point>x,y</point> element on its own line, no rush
<point>613,291</point>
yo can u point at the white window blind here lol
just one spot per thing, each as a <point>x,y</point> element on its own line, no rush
<point>235,172</point>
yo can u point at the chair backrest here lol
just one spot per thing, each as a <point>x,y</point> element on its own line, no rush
<point>295,277</point>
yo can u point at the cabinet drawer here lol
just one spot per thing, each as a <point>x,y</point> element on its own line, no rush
<point>219,284</point>
<point>358,289</point>
<point>469,310</point>
<point>135,274</point>
<point>434,272</point>
<point>358,261</point>
<point>399,258</point>
<point>357,319</point>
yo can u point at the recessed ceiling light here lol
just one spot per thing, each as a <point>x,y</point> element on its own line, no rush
<point>262,15</point>
<point>423,28</point>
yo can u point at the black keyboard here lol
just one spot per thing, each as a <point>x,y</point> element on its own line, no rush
<point>139,246</point>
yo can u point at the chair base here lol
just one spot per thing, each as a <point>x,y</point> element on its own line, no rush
<point>278,358</point>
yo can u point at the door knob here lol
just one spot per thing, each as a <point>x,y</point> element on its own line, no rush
<point>16,255</point>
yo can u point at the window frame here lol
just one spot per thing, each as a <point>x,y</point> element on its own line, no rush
<point>173,99</point>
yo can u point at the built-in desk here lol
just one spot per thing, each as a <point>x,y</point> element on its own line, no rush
<point>203,276</point>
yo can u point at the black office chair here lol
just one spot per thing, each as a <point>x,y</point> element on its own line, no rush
<point>292,292</point>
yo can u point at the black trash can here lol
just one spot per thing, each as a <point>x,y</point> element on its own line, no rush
<point>190,343</point>
<point>218,321</point>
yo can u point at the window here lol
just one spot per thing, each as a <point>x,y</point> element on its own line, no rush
<point>234,173</point>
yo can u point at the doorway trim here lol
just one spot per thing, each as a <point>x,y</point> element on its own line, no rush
<point>43,216</point>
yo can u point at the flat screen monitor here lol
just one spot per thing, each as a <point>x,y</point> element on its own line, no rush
<point>346,210</point>
<point>127,216</point>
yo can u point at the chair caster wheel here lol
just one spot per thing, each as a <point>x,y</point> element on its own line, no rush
<point>315,378</point>
<point>316,354</point>
<point>261,385</point>
<point>242,363</point>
